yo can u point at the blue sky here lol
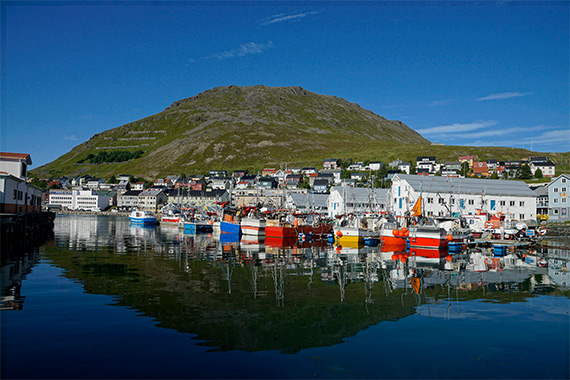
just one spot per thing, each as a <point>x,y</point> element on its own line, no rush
<point>460,73</point>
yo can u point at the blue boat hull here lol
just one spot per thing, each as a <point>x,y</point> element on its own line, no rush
<point>231,228</point>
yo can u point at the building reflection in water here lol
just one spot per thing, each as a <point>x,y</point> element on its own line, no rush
<point>222,278</point>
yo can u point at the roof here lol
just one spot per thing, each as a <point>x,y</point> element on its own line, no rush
<point>321,182</point>
<point>362,194</point>
<point>309,200</point>
<point>131,193</point>
<point>434,184</point>
<point>152,192</point>
<point>17,156</point>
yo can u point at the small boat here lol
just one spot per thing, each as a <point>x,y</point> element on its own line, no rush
<point>142,217</point>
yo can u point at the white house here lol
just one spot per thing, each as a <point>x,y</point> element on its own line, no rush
<point>548,169</point>
<point>79,199</point>
<point>375,165</point>
<point>16,195</point>
<point>445,195</point>
<point>558,200</point>
<point>348,199</point>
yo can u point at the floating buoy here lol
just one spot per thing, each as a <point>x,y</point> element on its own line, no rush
<point>404,259</point>
<point>450,237</point>
<point>404,229</point>
<point>406,233</point>
<point>339,233</point>
<point>401,233</point>
<point>395,232</point>
<point>400,256</point>
<point>541,230</point>
<point>394,257</point>
<point>449,258</point>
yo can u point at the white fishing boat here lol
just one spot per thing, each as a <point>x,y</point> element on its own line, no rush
<point>142,217</point>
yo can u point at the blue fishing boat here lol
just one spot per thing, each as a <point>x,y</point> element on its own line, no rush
<point>142,217</point>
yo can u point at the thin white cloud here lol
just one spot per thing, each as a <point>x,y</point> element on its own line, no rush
<point>504,95</point>
<point>439,102</point>
<point>70,137</point>
<point>537,138</point>
<point>284,17</point>
<point>244,49</point>
<point>457,127</point>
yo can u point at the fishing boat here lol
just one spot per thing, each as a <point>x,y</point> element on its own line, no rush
<point>428,235</point>
<point>194,227</point>
<point>253,225</point>
<point>142,217</point>
<point>279,228</point>
<point>172,216</point>
<point>230,225</point>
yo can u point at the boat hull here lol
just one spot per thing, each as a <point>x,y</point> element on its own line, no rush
<point>253,227</point>
<point>281,232</point>
<point>230,228</point>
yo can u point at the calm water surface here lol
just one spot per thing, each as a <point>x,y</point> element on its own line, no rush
<point>104,299</point>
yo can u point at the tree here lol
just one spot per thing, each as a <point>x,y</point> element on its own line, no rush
<point>112,179</point>
<point>525,172</point>
<point>538,173</point>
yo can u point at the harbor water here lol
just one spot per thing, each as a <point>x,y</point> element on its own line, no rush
<point>103,299</point>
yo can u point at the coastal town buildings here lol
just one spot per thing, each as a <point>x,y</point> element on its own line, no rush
<point>447,195</point>
<point>16,195</point>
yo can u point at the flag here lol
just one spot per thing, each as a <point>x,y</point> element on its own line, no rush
<point>417,210</point>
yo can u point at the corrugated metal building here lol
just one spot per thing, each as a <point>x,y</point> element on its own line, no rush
<point>446,195</point>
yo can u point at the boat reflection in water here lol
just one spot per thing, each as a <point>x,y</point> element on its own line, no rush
<point>247,293</point>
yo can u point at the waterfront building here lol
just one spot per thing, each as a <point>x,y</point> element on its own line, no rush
<point>307,202</point>
<point>128,200</point>
<point>138,186</point>
<point>152,199</point>
<point>356,200</point>
<point>558,200</point>
<point>16,195</point>
<point>446,195</point>
<point>268,197</point>
<point>79,199</point>
<point>197,198</point>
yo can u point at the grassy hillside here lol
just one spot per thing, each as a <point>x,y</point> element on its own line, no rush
<point>251,128</point>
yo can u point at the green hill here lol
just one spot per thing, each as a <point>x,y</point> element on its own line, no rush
<point>250,128</point>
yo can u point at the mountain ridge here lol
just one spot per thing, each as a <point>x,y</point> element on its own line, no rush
<point>244,127</point>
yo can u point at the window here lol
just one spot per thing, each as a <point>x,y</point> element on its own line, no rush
<point>563,180</point>
<point>471,202</point>
<point>511,203</point>
<point>563,200</point>
<point>430,200</point>
<point>502,203</point>
<point>521,216</point>
<point>563,190</point>
<point>555,200</point>
<point>440,201</point>
<point>521,203</point>
<point>555,189</point>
